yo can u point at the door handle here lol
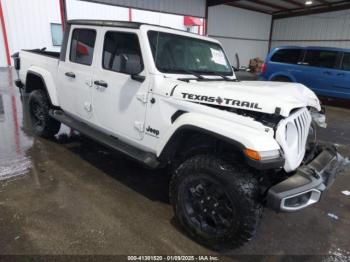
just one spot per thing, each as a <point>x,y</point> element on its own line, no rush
<point>101,83</point>
<point>70,74</point>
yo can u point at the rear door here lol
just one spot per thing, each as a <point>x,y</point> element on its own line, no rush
<point>75,73</point>
<point>319,68</point>
<point>119,102</point>
<point>340,79</point>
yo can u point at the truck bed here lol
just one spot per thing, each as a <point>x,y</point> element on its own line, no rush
<point>38,58</point>
<point>45,53</point>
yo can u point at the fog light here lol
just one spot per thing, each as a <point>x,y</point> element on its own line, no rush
<point>298,200</point>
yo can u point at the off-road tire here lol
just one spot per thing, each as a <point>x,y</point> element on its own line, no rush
<point>42,123</point>
<point>239,185</point>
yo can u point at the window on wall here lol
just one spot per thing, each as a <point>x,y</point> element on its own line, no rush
<point>318,58</point>
<point>120,47</point>
<point>82,46</point>
<point>56,34</point>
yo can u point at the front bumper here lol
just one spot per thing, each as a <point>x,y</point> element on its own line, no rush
<point>306,186</point>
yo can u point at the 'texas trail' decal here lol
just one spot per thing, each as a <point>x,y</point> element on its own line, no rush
<point>219,100</point>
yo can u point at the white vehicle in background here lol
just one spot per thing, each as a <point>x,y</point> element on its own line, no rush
<point>168,98</point>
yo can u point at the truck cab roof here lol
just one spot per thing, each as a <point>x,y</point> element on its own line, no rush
<point>137,25</point>
<point>115,23</point>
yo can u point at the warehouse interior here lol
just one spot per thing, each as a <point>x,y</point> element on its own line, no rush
<point>246,28</point>
<point>71,196</point>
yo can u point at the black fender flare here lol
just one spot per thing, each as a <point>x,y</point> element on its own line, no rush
<point>30,72</point>
<point>171,146</point>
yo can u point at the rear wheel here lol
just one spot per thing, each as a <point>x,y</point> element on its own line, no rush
<point>42,123</point>
<point>281,79</point>
<point>216,203</point>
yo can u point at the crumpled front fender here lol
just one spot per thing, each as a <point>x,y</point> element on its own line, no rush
<point>246,136</point>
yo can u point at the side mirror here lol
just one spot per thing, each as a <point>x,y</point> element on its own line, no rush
<point>235,69</point>
<point>16,60</point>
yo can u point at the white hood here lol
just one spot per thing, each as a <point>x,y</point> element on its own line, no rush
<point>260,96</point>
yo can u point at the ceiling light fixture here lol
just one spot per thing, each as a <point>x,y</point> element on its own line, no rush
<point>308,2</point>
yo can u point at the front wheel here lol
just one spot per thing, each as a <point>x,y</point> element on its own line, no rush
<point>42,123</point>
<point>216,203</point>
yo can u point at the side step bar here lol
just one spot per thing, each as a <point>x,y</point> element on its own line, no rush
<point>148,159</point>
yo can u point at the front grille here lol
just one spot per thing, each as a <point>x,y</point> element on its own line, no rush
<point>302,123</point>
<point>293,141</point>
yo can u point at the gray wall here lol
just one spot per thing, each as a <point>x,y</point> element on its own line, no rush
<point>3,61</point>
<point>326,29</point>
<point>183,7</point>
<point>240,31</point>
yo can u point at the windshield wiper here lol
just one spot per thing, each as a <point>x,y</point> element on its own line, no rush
<point>221,75</point>
<point>199,76</point>
<point>181,70</point>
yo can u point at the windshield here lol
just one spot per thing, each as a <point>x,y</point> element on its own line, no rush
<point>180,54</point>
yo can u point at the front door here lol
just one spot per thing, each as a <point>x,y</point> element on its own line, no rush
<point>119,102</point>
<point>76,72</point>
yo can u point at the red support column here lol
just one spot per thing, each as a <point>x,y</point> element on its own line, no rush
<point>204,26</point>
<point>130,14</point>
<point>62,13</point>
<point>4,34</point>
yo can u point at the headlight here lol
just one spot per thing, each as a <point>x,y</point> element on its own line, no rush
<point>262,155</point>
<point>318,118</point>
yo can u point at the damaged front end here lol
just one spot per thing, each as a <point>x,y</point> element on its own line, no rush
<point>306,186</point>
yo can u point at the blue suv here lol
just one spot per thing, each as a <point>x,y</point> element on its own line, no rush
<point>324,70</point>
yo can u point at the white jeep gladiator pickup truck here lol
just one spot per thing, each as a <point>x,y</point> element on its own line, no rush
<point>169,98</point>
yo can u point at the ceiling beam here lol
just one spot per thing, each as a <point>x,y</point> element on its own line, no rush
<point>268,4</point>
<point>220,2</point>
<point>323,2</point>
<point>293,2</point>
<point>248,7</point>
<point>315,10</point>
<point>305,8</point>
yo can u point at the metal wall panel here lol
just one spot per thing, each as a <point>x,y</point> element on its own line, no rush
<point>107,12</point>
<point>182,7</point>
<point>245,49</point>
<point>95,11</point>
<point>326,29</point>
<point>3,61</point>
<point>28,23</point>
<point>240,31</point>
<point>236,22</point>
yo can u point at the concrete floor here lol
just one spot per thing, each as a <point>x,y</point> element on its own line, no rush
<point>72,196</point>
